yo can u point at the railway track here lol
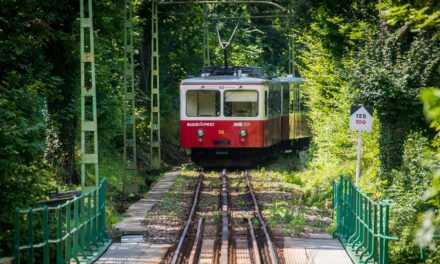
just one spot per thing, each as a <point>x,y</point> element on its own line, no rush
<point>239,235</point>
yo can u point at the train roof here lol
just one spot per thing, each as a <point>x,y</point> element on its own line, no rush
<point>237,75</point>
<point>228,79</point>
<point>223,79</point>
<point>291,79</point>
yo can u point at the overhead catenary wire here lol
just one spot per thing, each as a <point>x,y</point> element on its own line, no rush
<point>225,45</point>
<point>280,7</point>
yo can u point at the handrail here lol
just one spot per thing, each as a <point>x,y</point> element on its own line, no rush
<point>362,224</point>
<point>74,230</point>
<point>422,249</point>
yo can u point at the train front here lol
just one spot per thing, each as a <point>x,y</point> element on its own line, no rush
<point>222,119</point>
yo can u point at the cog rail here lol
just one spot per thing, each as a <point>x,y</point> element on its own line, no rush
<point>188,222</point>
<point>270,245</point>
<point>226,248</point>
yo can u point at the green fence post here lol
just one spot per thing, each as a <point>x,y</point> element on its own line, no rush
<point>339,215</point>
<point>95,214</point>
<point>360,240</point>
<point>59,235</point>
<point>381,234</point>
<point>46,235</point>
<point>17,236</point>
<point>367,246</point>
<point>387,219</point>
<point>350,210</point>
<point>30,237</point>
<point>82,225</point>
<point>89,217</point>
<point>375,235</point>
<point>344,208</point>
<point>75,226</point>
<point>68,241</point>
<point>102,233</point>
<point>354,237</point>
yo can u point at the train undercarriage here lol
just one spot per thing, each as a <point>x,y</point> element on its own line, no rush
<point>245,157</point>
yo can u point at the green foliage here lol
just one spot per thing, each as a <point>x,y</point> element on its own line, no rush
<point>431,221</point>
<point>281,212</point>
<point>217,216</point>
<point>406,194</point>
<point>389,75</point>
<point>333,148</point>
<point>352,56</point>
<point>418,16</point>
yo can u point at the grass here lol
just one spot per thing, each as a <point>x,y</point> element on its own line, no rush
<point>217,216</point>
<point>287,203</point>
<point>111,168</point>
<point>291,218</point>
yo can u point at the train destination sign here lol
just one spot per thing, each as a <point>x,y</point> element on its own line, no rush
<point>361,118</point>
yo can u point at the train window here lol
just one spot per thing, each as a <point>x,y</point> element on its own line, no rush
<point>265,103</point>
<point>274,100</point>
<point>241,103</point>
<point>286,93</point>
<point>294,98</point>
<point>202,103</point>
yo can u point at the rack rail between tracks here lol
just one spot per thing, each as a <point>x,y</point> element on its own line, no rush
<point>178,250</point>
<point>223,251</point>
<point>270,245</point>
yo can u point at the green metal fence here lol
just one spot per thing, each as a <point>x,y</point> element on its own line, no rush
<point>422,249</point>
<point>362,224</point>
<point>72,232</point>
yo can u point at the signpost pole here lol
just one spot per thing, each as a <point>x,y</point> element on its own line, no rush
<point>361,119</point>
<point>358,161</point>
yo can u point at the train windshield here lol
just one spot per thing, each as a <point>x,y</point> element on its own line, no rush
<point>202,103</point>
<point>241,103</point>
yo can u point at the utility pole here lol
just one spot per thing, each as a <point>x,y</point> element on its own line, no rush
<point>155,158</point>
<point>130,161</point>
<point>89,122</point>
<point>291,39</point>
<point>206,57</point>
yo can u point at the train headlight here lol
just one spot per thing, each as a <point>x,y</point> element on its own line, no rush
<point>243,133</point>
<point>200,133</point>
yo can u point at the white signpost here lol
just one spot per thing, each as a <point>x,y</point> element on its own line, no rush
<point>361,119</point>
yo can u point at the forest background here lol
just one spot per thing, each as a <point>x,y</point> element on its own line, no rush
<point>380,53</point>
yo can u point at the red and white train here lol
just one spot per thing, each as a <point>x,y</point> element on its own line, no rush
<point>241,116</point>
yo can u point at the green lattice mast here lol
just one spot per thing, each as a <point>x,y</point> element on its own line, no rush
<point>130,164</point>
<point>206,57</point>
<point>155,159</point>
<point>291,40</point>
<point>89,127</point>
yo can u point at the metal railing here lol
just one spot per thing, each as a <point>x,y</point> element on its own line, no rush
<point>74,230</point>
<point>362,224</point>
<point>422,249</point>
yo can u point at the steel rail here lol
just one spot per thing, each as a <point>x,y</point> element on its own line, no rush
<point>223,2</point>
<point>188,222</point>
<point>195,252</point>
<point>272,254</point>
<point>257,259</point>
<point>224,256</point>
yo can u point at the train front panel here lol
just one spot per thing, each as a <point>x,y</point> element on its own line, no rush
<point>222,134</point>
